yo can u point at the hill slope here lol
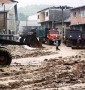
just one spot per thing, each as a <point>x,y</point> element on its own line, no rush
<point>30,10</point>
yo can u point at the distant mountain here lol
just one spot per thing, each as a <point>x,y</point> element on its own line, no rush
<point>30,10</point>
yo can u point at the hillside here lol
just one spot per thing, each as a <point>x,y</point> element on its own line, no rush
<point>30,10</point>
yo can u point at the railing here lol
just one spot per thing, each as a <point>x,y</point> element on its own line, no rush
<point>7,36</point>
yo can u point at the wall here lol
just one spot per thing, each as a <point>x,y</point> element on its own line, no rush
<point>47,17</point>
<point>1,21</point>
<point>77,19</point>
<point>41,17</point>
<point>11,21</point>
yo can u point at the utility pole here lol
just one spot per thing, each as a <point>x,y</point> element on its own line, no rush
<point>26,20</point>
<point>62,10</point>
<point>53,20</point>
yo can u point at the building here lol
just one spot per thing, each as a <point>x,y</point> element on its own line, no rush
<point>78,18</point>
<point>52,17</point>
<point>7,1</point>
<point>8,17</point>
<point>30,23</point>
<point>33,22</point>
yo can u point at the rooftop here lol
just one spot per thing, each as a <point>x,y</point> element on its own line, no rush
<point>48,8</point>
<point>30,23</point>
<point>7,7</point>
<point>7,1</point>
<point>57,8</point>
<point>78,7</point>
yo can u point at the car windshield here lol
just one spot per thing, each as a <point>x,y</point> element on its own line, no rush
<point>53,32</point>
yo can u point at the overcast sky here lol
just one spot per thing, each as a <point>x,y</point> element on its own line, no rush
<point>73,3</point>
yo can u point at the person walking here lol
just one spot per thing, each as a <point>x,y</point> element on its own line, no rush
<point>58,42</point>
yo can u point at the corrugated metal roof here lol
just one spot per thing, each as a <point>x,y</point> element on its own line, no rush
<point>7,7</point>
<point>30,23</point>
<point>33,23</point>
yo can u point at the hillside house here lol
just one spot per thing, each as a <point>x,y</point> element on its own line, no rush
<point>78,18</point>
<point>8,17</point>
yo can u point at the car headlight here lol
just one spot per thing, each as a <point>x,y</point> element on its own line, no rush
<point>70,36</point>
<point>79,36</point>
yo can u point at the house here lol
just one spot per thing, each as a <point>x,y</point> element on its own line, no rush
<point>64,26</point>
<point>7,1</point>
<point>52,17</point>
<point>33,22</point>
<point>8,17</point>
<point>78,18</point>
<point>30,23</point>
<point>32,17</point>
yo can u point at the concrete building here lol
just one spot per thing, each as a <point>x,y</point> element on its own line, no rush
<point>8,17</point>
<point>78,18</point>
<point>52,17</point>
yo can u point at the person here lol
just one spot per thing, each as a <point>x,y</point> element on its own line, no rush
<point>58,42</point>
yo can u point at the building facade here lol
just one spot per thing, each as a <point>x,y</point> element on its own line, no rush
<point>52,16</point>
<point>78,18</point>
<point>8,17</point>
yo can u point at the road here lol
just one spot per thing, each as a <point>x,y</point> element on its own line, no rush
<point>44,69</point>
<point>63,52</point>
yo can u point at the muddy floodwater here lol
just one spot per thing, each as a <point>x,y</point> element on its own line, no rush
<point>44,69</point>
<point>36,56</point>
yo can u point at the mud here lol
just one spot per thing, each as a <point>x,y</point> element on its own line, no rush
<point>59,73</point>
<point>53,73</point>
<point>21,52</point>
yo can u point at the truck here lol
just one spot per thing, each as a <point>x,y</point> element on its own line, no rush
<point>49,35</point>
<point>74,38</point>
<point>28,38</point>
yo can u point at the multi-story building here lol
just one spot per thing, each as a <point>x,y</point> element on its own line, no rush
<point>8,17</point>
<point>52,16</point>
<point>78,18</point>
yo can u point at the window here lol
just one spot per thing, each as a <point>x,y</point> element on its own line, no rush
<point>46,13</point>
<point>82,13</point>
<point>38,16</point>
<point>53,32</point>
<point>74,13</point>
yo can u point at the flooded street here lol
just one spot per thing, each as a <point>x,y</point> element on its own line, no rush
<point>40,45</point>
<point>48,52</point>
<point>44,69</point>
